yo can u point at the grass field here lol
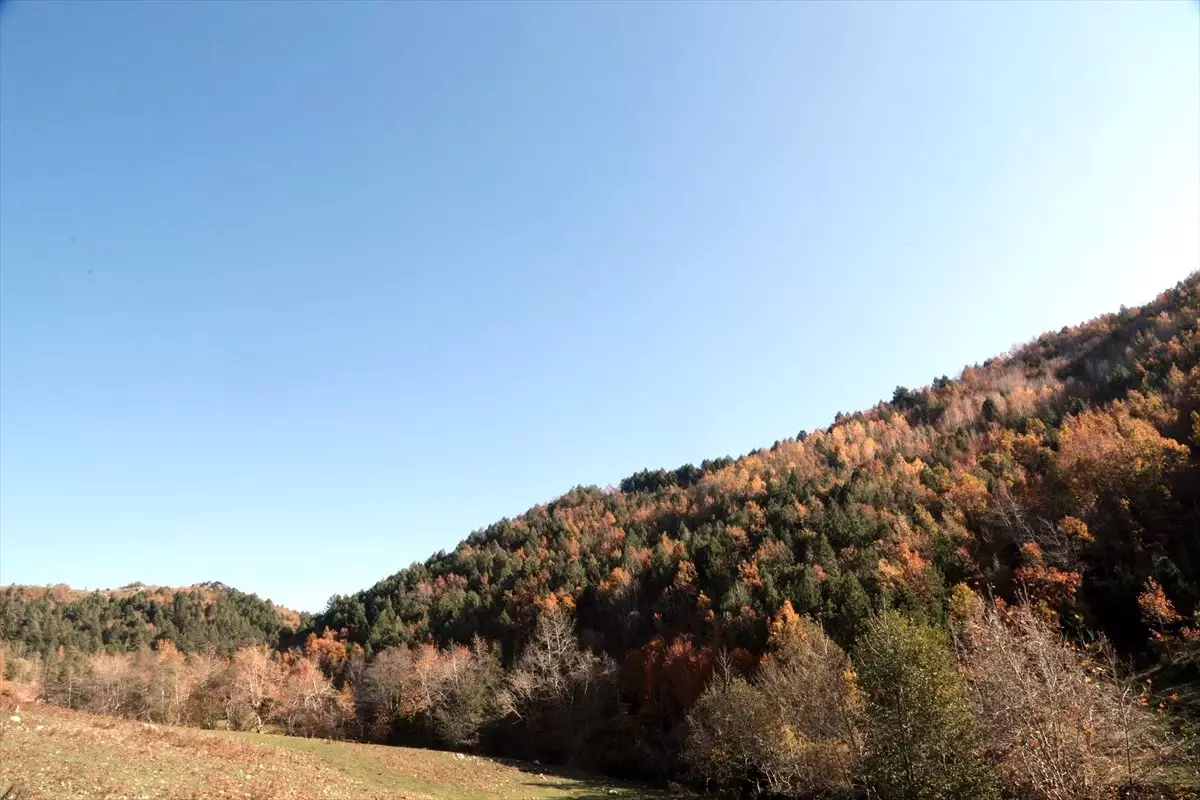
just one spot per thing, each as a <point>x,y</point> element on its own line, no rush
<point>57,753</point>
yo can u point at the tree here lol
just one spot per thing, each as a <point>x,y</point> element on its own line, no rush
<point>848,609</point>
<point>381,693</point>
<point>64,677</point>
<point>809,686</point>
<point>386,631</point>
<point>920,737</point>
<point>989,411</point>
<point>1057,721</point>
<point>728,747</point>
<point>791,731</point>
<point>254,685</point>
<point>562,692</point>
<point>469,703</point>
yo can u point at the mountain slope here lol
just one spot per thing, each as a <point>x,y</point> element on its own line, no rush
<point>1065,470</point>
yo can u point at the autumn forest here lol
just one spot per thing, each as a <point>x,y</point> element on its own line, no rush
<point>986,587</point>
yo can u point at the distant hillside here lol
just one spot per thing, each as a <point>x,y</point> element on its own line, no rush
<point>204,617</point>
<point>1065,470</point>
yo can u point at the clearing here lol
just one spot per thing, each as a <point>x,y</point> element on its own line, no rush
<point>62,754</point>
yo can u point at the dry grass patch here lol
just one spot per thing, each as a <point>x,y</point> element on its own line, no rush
<point>57,753</point>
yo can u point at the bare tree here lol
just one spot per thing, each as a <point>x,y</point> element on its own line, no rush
<point>1061,544</point>
<point>559,689</point>
<point>381,691</point>
<point>310,705</point>
<point>255,685</point>
<point>1058,721</point>
<point>107,684</point>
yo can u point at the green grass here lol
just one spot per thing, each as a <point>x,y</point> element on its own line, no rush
<point>451,776</point>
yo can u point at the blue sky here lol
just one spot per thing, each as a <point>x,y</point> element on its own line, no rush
<point>292,295</point>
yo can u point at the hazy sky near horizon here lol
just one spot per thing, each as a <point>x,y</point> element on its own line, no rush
<point>292,295</point>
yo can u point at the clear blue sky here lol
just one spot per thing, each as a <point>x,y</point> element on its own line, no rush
<point>292,295</point>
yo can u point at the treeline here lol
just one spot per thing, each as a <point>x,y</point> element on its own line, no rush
<point>210,618</point>
<point>1000,704</point>
<point>255,686</point>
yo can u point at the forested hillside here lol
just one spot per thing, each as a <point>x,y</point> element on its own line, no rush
<point>208,617</point>
<point>988,587</point>
<point>1065,470</point>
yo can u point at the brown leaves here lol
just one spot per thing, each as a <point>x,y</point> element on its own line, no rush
<point>1109,454</point>
<point>968,493</point>
<point>1157,610</point>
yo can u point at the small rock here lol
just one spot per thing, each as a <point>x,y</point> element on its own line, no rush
<point>15,718</point>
